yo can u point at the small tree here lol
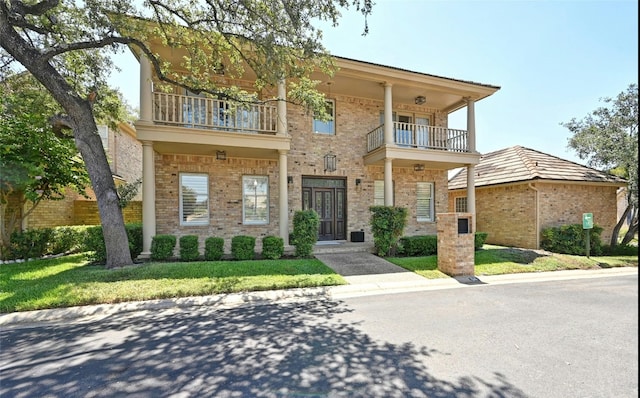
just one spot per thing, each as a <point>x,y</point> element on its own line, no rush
<point>387,226</point>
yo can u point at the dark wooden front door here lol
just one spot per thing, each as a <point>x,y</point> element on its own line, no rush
<point>328,198</point>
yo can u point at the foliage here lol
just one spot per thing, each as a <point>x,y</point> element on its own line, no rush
<point>608,139</point>
<point>620,250</point>
<point>305,232</point>
<point>189,248</point>
<point>243,247</point>
<point>213,248</point>
<point>31,243</point>
<point>387,225</point>
<point>272,247</point>
<point>479,239</point>
<point>65,46</point>
<point>127,192</point>
<point>421,245</point>
<point>95,246</point>
<point>162,247</point>
<point>571,239</point>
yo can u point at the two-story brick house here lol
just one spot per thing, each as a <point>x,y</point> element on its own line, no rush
<point>211,169</point>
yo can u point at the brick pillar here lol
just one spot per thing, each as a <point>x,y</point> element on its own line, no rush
<point>456,252</point>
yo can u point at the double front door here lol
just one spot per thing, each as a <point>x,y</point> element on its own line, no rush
<point>328,198</point>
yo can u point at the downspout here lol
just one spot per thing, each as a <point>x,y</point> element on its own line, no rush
<point>537,217</point>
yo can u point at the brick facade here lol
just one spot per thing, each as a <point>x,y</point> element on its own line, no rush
<point>508,213</point>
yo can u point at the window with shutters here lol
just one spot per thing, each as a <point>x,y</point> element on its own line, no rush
<point>378,193</point>
<point>424,206</point>
<point>194,199</point>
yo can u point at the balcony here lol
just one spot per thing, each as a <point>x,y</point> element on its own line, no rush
<point>410,135</point>
<point>213,114</point>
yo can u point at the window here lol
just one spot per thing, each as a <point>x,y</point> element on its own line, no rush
<point>194,199</point>
<point>104,136</point>
<point>326,127</point>
<point>424,207</point>
<point>194,109</point>
<point>255,200</point>
<point>378,193</point>
<point>461,204</point>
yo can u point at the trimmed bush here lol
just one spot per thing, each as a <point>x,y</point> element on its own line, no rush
<point>387,225</point>
<point>243,247</point>
<point>213,248</point>
<point>479,239</point>
<point>571,239</point>
<point>32,243</point>
<point>67,239</point>
<point>422,245</point>
<point>305,232</point>
<point>272,247</point>
<point>94,242</point>
<point>189,248</point>
<point>162,247</point>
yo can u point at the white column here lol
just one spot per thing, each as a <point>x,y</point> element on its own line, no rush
<point>388,114</point>
<point>146,90</point>
<point>148,198</point>
<point>388,182</point>
<point>471,124</point>
<point>284,197</point>
<point>471,193</point>
<point>281,128</point>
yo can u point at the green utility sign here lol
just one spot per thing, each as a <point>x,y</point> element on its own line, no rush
<point>587,220</point>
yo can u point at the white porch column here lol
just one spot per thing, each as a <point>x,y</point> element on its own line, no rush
<point>388,114</point>
<point>148,198</point>
<point>281,127</point>
<point>471,124</point>
<point>388,182</point>
<point>283,199</point>
<point>471,193</point>
<point>146,90</point>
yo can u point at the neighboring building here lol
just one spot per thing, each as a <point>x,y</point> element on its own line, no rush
<point>210,170</point>
<point>521,191</point>
<point>124,153</point>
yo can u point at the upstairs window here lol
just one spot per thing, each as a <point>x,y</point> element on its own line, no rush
<point>194,199</point>
<point>329,126</point>
<point>424,207</point>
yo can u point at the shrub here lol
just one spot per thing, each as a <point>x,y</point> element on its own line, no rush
<point>243,247</point>
<point>272,247</point>
<point>387,225</point>
<point>479,239</point>
<point>31,243</point>
<point>571,239</point>
<point>305,232</point>
<point>162,247</point>
<point>189,248</point>
<point>213,248</point>
<point>94,242</point>
<point>620,250</point>
<point>423,245</point>
<point>67,239</point>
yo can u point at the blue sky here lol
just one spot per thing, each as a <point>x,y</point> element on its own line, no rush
<point>554,60</point>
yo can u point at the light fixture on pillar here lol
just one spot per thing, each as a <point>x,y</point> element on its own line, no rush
<point>418,167</point>
<point>358,182</point>
<point>221,155</point>
<point>420,100</point>
<point>330,162</point>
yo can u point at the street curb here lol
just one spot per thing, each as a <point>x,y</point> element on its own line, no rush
<point>93,312</point>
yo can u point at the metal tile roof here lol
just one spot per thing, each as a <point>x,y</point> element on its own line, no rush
<point>517,164</point>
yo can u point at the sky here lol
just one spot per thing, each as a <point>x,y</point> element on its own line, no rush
<point>553,60</point>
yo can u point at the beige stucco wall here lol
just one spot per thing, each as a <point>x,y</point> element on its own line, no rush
<point>507,213</point>
<point>355,117</point>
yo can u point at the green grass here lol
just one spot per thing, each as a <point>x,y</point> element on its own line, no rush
<point>497,260</point>
<point>72,281</point>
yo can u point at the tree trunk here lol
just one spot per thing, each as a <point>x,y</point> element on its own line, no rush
<point>83,125</point>
<point>616,230</point>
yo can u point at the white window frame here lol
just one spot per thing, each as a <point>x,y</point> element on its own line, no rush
<point>328,127</point>
<point>425,194</point>
<point>378,193</point>
<point>461,204</point>
<point>204,191</point>
<point>251,197</point>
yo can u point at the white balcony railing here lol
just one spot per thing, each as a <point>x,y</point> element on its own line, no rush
<point>418,136</point>
<point>215,114</point>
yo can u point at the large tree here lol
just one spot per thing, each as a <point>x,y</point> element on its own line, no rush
<point>276,39</point>
<point>608,139</point>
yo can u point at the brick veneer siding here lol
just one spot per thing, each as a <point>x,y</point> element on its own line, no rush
<point>354,119</point>
<point>85,212</point>
<point>456,255</point>
<point>507,213</point>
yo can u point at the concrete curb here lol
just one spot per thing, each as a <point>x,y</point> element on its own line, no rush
<point>93,312</point>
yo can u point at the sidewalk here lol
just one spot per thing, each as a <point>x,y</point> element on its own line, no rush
<point>387,280</point>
